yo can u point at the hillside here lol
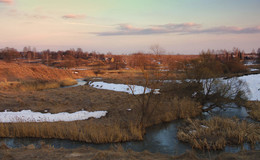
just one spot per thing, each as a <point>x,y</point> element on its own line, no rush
<point>25,72</point>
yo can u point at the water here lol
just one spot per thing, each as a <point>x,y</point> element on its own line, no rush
<point>234,111</point>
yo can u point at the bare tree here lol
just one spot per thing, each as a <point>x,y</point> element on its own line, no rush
<point>157,49</point>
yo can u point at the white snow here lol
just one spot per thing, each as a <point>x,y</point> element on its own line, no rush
<point>131,89</point>
<point>203,126</point>
<point>156,91</point>
<point>249,63</point>
<point>253,82</point>
<point>29,116</point>
<point>253,69</point>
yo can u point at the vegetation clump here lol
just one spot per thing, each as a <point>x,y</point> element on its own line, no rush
<point>254,109</point>
<point>216,133</point>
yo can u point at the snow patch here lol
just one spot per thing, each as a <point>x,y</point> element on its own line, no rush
<point>253,82</point>
<point>30,116</point>
<point>131,89</point>
<point>254,69</point>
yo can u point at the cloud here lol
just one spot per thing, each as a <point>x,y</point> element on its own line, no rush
<point>230,30</point>
<point>126,29</point>
<point>74,16</point>
<point>182,28</point>
<point>6,1</point>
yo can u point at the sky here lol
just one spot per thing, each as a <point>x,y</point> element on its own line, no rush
<point>128,26</point>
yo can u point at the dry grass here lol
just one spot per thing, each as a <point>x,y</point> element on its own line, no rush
<point>87,131</point>
<point>218,132</point>
<point>31,77</point>
<point>120,124</point>
<point>68,82</point>
<point>254,109</point>
<point>172,108</point>
<point>25,72</point>
<point>35,85</point>
<point>47,152</point>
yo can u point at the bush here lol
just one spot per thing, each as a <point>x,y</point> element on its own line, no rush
<point>234,66</point>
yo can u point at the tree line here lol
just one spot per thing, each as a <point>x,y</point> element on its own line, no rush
<point>157,58</point>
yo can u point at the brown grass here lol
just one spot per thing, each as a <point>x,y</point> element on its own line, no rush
<point>218,132</point>
<point>87,131</point>
<point>31,77</point>
<point>47,152</point>
<point>25,72</point>
<point>120,124</point>
<point>254,109</point>
<point>68,82</point>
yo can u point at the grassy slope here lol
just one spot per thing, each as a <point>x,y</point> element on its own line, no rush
<point>14,72</point>
<point>33,76</point>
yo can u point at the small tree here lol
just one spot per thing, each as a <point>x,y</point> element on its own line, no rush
<point>150,98</point>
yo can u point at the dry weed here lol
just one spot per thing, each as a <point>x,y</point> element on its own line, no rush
<point>218,132</point>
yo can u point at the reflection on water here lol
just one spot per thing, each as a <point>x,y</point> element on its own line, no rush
<point>160,138</point>
<point>239,112</point>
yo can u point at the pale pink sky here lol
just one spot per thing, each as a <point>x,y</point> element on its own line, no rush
<point>126,26</point>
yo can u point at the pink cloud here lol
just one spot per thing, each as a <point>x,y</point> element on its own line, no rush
<point>6,1</point>
<point>74,16</point>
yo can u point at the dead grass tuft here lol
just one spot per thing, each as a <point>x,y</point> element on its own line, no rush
<point>254,109</point>
<point>216,133</point>
<point>68,82</point>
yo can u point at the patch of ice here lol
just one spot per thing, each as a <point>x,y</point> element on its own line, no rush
<point>29,116</point>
